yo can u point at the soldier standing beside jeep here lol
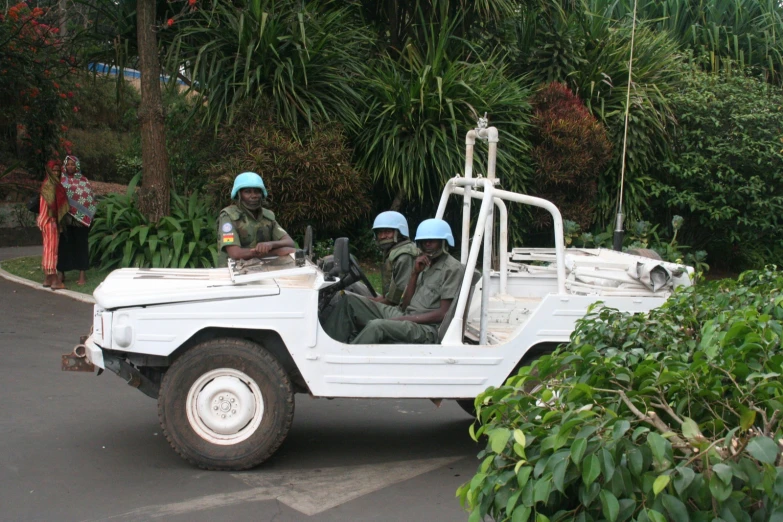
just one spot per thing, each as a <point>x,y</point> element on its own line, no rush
<point>246,229</point>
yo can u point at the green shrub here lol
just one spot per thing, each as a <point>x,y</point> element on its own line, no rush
<point>310,181</point>
<point>675,415</point>
<point>570,150</point>
<point>726,173</point>
<point>97,150</point>
<point>121,236</point>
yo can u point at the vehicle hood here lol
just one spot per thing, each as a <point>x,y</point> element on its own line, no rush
<point>150,286</point>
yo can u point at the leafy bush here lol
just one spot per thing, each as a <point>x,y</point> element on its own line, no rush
<point>121,236</point>
<point>675,415</point>
<point>98,149</point>
<point>310,181</point>
<point>423,101</point>
<point>570,149</point>
<point>726,173</point>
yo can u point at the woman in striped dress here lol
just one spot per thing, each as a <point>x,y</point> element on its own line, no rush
<point>52,209</point>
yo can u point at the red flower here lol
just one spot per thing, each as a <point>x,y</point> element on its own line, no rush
<point>170,22</point>
<point>62,95</point>
<point>192,2</point>
<point>75,108</point>
<point>63,128</point>
<point>70,94</point>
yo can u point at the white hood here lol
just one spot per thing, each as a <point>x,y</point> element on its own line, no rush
<point>150,286</point>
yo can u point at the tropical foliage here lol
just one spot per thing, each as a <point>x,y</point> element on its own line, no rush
<point>675,416</point>
<point>302,56</point>
<point>570,149</point>
<point>310,180</point>
<point>121,236</point>
<point>726,173</point>
<point>420,105</point>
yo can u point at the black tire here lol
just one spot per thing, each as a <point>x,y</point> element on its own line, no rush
<point>468,405</point>
<point>218,375</point>
<point>645,252</point>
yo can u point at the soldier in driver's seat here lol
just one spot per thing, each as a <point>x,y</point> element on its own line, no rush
<point>434,283</point>
<point>246,229</point>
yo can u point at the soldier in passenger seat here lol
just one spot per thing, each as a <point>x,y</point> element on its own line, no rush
<point>246,229</point>
<point>399,252</point>
<point>434,283</point>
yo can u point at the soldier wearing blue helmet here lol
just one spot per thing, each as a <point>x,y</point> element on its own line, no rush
<point>246,229</point>
<point>433,284</point>
<point>392,237</point>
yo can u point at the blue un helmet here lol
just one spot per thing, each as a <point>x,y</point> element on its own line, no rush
<point>434,229</point>
<point>391,219</point>
<point>247,180</point>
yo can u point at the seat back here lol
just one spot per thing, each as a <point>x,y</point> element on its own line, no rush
<point>444,325</point>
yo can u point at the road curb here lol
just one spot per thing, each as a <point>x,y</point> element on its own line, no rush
<point>84,298</point>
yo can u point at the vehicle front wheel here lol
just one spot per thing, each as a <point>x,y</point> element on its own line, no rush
<point>226,404</point>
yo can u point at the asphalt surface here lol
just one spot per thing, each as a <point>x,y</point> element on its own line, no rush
<point>77,447</point>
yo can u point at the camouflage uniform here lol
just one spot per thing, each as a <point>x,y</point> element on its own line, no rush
<point>441,280</point>
<point>396,270</point>
<point>236,226</point>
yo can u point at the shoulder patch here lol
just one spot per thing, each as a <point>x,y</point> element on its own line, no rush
<point>227,227</point>
<point>268,214</point>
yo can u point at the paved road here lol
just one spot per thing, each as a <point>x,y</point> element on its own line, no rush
<point>77,447</point>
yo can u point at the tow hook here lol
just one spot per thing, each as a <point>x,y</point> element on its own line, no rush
<point>76,361</point>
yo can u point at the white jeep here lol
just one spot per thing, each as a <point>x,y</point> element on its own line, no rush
<point>225,350</point>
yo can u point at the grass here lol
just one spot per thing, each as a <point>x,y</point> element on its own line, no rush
<point>30,268</point>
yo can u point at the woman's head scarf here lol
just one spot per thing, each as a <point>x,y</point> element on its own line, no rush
<point>80,197</point>
<point>54,193</point>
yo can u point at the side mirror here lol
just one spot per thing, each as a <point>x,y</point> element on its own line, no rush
<point>342,257</point>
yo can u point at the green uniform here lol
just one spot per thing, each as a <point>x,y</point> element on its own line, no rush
<point>396,270</point>
<point>441,280</point>
<point>236,226</point>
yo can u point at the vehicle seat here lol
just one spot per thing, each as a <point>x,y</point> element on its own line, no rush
<point>444,325</point>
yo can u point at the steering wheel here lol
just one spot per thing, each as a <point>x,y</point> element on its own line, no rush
<point>356,271</point>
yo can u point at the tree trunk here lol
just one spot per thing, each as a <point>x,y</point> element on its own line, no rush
<point>63,12</point>
<point>398,199</point>
<point>154,192</point>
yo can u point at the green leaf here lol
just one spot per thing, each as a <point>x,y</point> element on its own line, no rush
<point>578,451</point>
<point>763,449</point>
<point>609,505</point>
<point>519,436</point>
<point>747,418</point>
<point>541,489</point>
<point>724,472</point>
<point>660,483</point>
<point>658,446</point>
<point>719,489</point>
<point>690,429</point>
<point>655,516</point>
<point>498,438</point>
<point>558,475</point>
<point>520,514</point>
<point>635,461</point>
<point>683,479</point>
<point>675,508</point>
<point>620,428</point>
<point>523,475</point>
<point>591,470</point>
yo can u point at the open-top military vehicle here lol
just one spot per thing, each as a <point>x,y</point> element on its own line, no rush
<point>225,350</point>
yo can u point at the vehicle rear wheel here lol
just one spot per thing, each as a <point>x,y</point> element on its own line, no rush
<point>226,404</point>
<point>468,405</point>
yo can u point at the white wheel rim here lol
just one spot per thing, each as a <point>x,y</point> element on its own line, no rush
<point>225,406</point>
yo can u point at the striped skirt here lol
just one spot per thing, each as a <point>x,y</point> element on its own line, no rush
<point>51,240</point>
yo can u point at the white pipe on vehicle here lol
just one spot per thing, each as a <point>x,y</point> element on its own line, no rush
<point>454,333</point>
<point>470,141</point>
<point>525,200</point>
<point>500,206</point>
